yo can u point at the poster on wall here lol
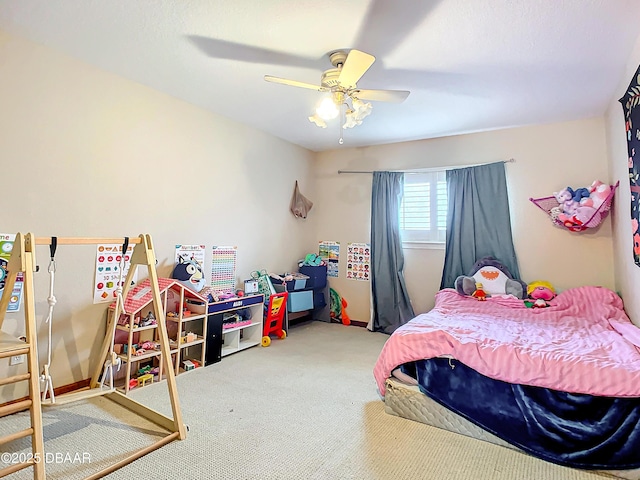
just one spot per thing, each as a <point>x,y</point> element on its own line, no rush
<point>358,261</point>
<point>330,253</point>
<point>223,269</point>
<point>194,253</point>
<point>108,263</point>
<point>630,105</point>
<point>6,246</point>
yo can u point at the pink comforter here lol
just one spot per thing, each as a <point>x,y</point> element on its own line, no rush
<point>583,343</point>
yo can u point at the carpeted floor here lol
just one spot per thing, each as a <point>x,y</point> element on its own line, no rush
<point>304,408</point>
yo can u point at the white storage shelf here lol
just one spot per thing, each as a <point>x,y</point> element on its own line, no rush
<point>237,337</point>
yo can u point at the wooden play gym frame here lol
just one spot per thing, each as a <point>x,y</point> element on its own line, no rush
<point>23,260</point>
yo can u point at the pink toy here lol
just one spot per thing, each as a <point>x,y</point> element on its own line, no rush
<point>571,207</point>
<point>564,198</point>
<point>584,214</point>
<point>599,193</point>
<point>540,292</point>
<point>586,202</point>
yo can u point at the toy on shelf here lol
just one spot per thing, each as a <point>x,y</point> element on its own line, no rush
<point>143,379</point>
<point>575,210</point>
<point>150,319</point>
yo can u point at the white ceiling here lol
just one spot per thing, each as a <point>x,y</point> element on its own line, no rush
<point>470,65</point>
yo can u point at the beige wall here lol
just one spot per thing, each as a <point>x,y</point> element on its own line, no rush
<point>87,153</point>
<point>548,158</point>
<point>627,273</point>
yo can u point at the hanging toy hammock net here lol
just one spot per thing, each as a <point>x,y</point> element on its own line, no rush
<point>552,208</point>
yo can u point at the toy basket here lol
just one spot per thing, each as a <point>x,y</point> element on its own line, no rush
<point>547,204</point>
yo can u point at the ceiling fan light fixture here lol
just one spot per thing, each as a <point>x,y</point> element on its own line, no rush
<point>351,120</point>
<point>340,83</point>
<point>362,109</point>
<point>318,121</point>
<point>327,110</point>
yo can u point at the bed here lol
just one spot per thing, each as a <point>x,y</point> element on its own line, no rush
<point>561,383</point>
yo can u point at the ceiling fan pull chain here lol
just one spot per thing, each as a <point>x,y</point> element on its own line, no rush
<point>341,123</point>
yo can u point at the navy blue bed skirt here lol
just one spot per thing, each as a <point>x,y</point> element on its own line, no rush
<point>575,430</point>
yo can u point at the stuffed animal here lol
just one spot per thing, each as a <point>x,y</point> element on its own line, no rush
<point>584,214</point>
<point>580,193</point>
<point>571,207</point>
<point>540,293</point>
<point>494,278</point>
<point>189,273</point>
<point>564,197</point>
<point>599,193</point>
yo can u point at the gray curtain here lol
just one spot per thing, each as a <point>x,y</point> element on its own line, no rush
<point>391,304</point>
<point>478,221</point>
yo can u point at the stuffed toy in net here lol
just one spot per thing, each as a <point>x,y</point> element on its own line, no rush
<point>572,210</point>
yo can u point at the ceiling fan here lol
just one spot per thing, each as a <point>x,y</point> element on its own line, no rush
<point>341,82</point>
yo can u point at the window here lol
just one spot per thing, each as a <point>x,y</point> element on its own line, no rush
<point>423,211</point>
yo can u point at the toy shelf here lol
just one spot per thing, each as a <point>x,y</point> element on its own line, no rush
<point>550,206</point>
<point>191,344</point>
<point>126,328</point>
<point>180,322</point>
<point>220,341</point>
<point>138,358</point>
<point>189,318</point>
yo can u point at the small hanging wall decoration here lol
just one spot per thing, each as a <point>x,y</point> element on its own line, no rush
<point>630,105</point>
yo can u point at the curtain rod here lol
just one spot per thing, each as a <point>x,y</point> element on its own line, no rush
<point>420,170</point>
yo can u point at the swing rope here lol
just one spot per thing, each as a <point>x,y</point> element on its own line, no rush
<point>114,360</point>
<point>45,378</point>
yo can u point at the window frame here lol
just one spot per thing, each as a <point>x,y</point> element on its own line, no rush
<point>420,239</point>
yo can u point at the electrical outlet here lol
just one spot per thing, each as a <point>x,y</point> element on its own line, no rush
<point>16,359</point>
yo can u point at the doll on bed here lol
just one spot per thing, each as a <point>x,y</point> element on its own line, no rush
<point>540,293</point>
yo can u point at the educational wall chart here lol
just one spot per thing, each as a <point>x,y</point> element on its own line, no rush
<point>108,257</point>
<point>191,252</point>
<point>223,269</point>
<point>358,261</point>
<point>330,253</point>
<point>6,246</point>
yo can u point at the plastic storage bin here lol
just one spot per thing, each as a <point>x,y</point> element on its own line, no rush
<point>317,275</point>
<point>299,281</point>
<point>300,301</point>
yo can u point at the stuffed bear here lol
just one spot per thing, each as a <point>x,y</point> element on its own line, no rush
<point>494,278</point>
<point>564,197</point>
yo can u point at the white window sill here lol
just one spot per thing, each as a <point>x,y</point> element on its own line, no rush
<point>423,245</point>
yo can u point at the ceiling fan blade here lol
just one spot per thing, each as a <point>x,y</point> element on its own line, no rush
<point>295,83</point>
<point>395,96</point>
<point>356,64</point>
<point>226,50</point>
<point>388,24</point>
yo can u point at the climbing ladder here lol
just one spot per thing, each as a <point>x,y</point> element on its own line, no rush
<point>23,260</point>
<point>20,261</point>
